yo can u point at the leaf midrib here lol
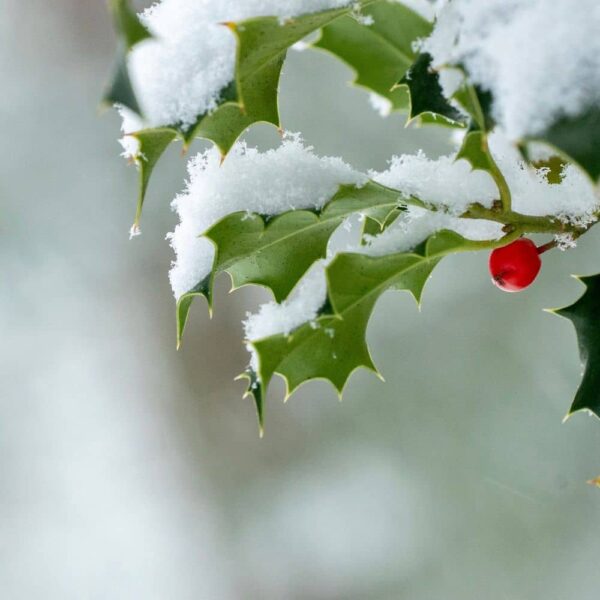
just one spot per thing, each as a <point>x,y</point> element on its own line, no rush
<point>228,264</point>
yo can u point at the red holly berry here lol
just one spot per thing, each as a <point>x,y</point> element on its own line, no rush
<point>514,267</point>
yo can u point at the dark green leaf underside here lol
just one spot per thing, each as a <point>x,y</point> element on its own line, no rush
<point>426,96</point>
<point>579,138</point>
<point>584,316</point>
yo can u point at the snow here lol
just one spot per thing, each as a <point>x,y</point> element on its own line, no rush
<point>302,306</point>
<point>541,61</point>
<point>574,200</point>
<point>130,123</point>
<point>451,185</point>
<point>417,224</point>
<point>289,177</point>
<point>181,72</point>
<point>445,182</point>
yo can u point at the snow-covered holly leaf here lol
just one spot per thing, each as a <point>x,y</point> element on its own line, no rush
<point>130,32</point>
<point>552,167</point>
<point>425,92</point>
<point>334,345</point>
<point>378,47</point>
<point>579,139</point>
<point>584,316</point>
<point>276,251</point>
<point>262,44</point>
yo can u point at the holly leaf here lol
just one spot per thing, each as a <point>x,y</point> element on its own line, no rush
<point>584,316</point>
<point>578,138</point>
<point>130,32</point>
<point>334,345</point>
<point>381,52</point>
<point>477,102</point>
<point>184,303</point>
<point>425,91</point>
<point>374,226</point>
<point>476,151</point>
<point>262,45</point>
<point>151,145</point>
<point>275,252</point>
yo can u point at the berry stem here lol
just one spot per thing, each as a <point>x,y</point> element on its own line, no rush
<point>546,247</point>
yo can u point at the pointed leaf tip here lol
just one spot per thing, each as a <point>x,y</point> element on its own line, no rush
<point>257,391</point>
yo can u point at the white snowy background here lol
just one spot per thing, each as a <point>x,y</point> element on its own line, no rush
<point>128,470</point>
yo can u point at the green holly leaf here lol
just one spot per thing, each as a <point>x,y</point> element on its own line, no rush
<point>127,23</point>
<point>184,303</point>
<point>379,53</point>
<point>584,316</point>
<point>130,32</point>
<point>151,145</point>
<point>478,104</point>
<point>475,149</point>
<point>374,226</point>
<point>275,252</point>
<point>553,168</point>
<point>578,138</point>
<point>426,96</point>
<point>334,345</point>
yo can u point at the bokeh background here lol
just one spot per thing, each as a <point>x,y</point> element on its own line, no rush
<point>129,470</point>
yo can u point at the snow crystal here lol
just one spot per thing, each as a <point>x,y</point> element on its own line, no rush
<point>288,178</point>
<point>181,72</point>
<point>565,241</point>
<point>541,62</point>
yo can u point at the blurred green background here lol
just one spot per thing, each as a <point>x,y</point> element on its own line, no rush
<point>129,470</point>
